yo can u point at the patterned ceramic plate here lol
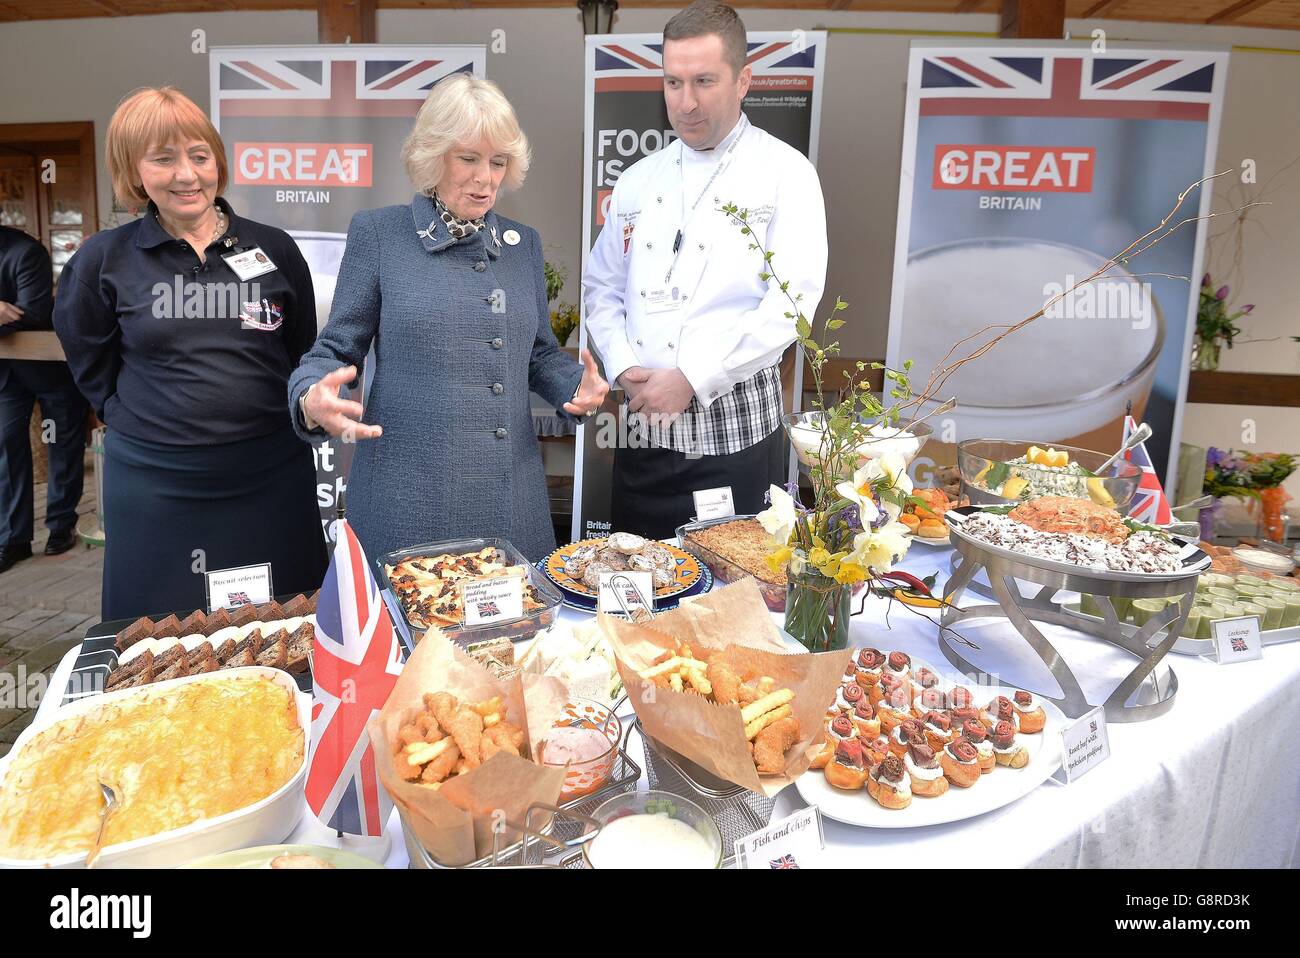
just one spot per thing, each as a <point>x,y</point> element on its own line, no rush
<point>688,571</point>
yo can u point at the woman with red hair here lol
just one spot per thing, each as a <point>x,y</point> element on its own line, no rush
<point>181,329</point>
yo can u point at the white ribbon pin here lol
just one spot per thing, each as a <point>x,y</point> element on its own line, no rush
<point>511,237</point>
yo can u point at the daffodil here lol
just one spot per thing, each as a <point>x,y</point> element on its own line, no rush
<point>780,518</point>
<point>818,556</point>
<point>777,560</point>
<point>850,573</point>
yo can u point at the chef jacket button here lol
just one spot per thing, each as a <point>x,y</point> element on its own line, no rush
<point>715,199</point>
<point>501,433</point>
<point>659,199</point>
<point>498,343</point>
<point>498,389</point>
<point>701,246</point>
<point>480,267</point>
<point>713,395</point>
<point>642,292</point>
<point>639,343</point>
<point>649,245</point>
<point>671,346</point>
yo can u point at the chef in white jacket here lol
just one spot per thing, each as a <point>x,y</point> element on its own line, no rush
<point>676,305</point>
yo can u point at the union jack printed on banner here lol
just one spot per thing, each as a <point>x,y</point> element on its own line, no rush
<point>355,663</point>
<point>1239,645</point>
<point>1149,503</point>
<point>636,62</point>
<point>238,598</point>
<point>1125,84</point>
<point>342,82</point>
<point>785,861</point>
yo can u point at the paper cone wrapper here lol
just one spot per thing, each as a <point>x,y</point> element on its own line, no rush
<point>732,625</point>
<point>455,822</point>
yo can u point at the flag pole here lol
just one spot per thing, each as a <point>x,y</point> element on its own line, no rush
<point>340,509</point>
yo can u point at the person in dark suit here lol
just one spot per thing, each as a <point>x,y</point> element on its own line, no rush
<point>25,303</point>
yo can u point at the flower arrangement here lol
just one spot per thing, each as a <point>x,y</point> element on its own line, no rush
<point>1244,475</point>
<point>1254,476</point>
<point>564,317</point>
<point>1216,327</point>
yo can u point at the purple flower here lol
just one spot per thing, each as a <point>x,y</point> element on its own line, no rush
<point>852,517</point>
<point>1248,307</point>
<point>1222,293</point>
<point>1213,456</point>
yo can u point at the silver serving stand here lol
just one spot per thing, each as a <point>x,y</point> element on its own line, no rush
<point>1153,697</point>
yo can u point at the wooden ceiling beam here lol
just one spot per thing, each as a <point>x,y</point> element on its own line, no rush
<point>1239,9</point>
<point>112,9</point>
<point>12,13</point>
<point>1032,20</point>
<point>968,6</point>
<point>338,21</point>
<point>1100,9</point>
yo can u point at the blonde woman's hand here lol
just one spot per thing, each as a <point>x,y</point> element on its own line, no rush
<point>337,416</point>
<point>591,391</point>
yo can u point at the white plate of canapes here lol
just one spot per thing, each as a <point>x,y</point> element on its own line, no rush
<point>994,776</point>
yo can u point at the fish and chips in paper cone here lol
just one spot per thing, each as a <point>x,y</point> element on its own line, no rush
<point>454,816</point>
<point>731,631</point>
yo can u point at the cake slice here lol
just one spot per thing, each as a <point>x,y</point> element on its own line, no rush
<point>270,611</point>
<point>243,615</point>
<point>299,648</point>
<point>143,676</point>
<point>173,671</point>
<point>168,628</point>
<point>141,628</point>
<point>296,606</point>
<point>166,659</point>
<point>271,639</point>
<point>195,623</point>
<point>206,663</point>
<point>275,656</point>
<point>216,621</point>
<point>242,657</point>
<point>225,650</point>
<point>123,672</point>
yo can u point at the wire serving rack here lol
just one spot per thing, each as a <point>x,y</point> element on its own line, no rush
<point>569,826</point>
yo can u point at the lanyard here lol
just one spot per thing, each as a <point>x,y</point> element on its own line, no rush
<point>718,170</point>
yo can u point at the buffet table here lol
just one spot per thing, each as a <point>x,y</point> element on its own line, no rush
<point>1214,783</point>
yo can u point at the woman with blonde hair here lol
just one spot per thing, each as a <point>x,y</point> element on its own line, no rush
<point>181,329</point>
<point>453,298</point>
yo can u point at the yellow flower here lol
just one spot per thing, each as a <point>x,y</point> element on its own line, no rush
<point>819,556</point>
<point>850,573</point>
<point>777,560</point>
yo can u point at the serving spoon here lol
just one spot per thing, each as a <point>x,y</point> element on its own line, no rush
<point>110,806</point>
<point>1140,434</point>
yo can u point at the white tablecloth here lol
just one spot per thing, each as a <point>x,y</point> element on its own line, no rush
<point>1215,782</point>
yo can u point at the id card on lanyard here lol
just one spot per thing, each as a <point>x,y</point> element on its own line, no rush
<point>728,154</point>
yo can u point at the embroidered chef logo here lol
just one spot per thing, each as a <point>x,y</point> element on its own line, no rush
<point>627,236</point>
<point>264,315</point>
<point>761,214</point>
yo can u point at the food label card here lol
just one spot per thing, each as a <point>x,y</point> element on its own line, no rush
<point>714,503</point>
<point>614,584</point>
<point>1237,640</point>
<point>494,599</point>
<point>1085,744</point>
<point>246,585</point>
<point>794,842</point>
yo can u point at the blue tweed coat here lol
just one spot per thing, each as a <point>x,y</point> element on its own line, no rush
<point>461,332</point>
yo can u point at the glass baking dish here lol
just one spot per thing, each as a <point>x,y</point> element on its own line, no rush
<point>512,629</point>
<point>723,569</point>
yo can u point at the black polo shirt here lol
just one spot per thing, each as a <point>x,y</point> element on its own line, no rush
<point>171,350</point>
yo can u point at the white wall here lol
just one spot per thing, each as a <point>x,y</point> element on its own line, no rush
<point>79,69</point>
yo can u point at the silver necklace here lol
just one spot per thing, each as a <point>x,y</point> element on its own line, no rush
<point>216,233</point>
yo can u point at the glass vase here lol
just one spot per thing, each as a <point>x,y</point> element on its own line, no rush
<point>1205,355</point>
<point>817,610</point>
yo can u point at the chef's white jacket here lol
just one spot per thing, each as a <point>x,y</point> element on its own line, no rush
<point>732,323</point>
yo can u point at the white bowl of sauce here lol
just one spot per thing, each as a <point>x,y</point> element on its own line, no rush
<point>653,830</point>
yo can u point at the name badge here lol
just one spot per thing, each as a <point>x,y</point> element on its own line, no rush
<point>663,300</point>
<point>249,263</point>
